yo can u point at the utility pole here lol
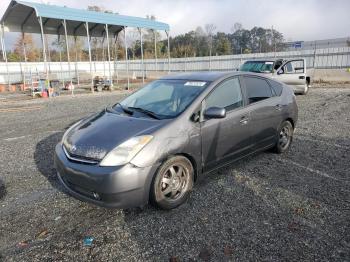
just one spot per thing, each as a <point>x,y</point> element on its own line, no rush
<point>273,39</point>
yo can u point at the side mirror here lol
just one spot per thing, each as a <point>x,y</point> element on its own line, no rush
<point>215,112</point>
<point>280,72</point>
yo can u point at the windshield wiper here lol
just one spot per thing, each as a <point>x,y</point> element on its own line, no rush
<point>126,110</point>
<point>145,111</point>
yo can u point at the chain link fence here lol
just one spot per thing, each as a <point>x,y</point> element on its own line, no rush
<point>329,58</point>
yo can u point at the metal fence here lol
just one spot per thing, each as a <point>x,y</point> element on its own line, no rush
<point>329,58</point>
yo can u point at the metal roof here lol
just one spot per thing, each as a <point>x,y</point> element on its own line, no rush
<point>23,16</point>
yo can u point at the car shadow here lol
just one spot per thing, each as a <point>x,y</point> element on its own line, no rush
<point>44,161</point>
<point>2,189</point>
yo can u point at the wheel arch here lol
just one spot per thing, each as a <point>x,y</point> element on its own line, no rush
<point>308,80</point>
<point>291,121</point>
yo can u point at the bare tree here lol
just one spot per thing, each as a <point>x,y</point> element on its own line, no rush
<point>210,29</point>
<point>236,27</point>
<point>132,36</point>
<point>25,47</point>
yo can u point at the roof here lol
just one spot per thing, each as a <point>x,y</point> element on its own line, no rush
<point>199,76</point>
<point>264,59</point>
<point>210,76</point>
<point>22,16</point>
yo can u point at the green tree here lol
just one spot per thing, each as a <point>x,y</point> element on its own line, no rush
<point>13,57</point>
<point>222,44</point>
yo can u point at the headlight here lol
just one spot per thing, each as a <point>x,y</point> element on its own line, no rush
<point>126,151</point>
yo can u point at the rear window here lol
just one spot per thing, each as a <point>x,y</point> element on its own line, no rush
<point>277,87</point>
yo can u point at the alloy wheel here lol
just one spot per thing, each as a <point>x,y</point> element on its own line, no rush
<point>174,182</point>
<point>285,137</point>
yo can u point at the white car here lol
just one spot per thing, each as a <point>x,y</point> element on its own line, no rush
<point>290,72</point>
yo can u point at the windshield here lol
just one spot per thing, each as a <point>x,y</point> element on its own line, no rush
<point>257,66</point>
<point>162,98</point>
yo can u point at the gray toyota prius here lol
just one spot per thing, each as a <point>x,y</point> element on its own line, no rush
<point>153,145</point>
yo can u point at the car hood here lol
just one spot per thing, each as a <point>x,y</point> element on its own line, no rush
<point>94,137</point>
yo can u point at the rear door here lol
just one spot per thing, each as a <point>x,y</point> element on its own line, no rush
<point>292,72</point>
<point>229,137</point>
<point>265,108</point>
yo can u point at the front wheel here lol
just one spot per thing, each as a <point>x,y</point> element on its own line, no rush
<point>285,137</point>
<point>173,183</point>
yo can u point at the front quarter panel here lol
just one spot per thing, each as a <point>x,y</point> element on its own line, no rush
<point>180,137</point>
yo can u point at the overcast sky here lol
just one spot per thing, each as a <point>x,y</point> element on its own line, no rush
<point>296,19</point>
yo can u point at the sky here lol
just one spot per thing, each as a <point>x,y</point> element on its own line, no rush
<point>296,19</point>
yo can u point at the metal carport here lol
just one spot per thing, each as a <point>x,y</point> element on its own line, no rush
<point>28,17</point>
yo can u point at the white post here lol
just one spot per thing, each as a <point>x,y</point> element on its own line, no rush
<point>210,50</point>
<point>44,49</point>
<point>116,56</point>
<point>4,55</point>
<point>167,33</point>
<point>142,62</point>
<point>2,44</point>
<point>90,59</point>
<point>62,75</point>
<point>155,48</point>
<point>126,57</point>
<point>67,47</point>
<point>76,61</point>
<point>109,56</point>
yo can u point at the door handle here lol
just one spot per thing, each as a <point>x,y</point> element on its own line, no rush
<point>301,77</point>
<point>278,107</point>
<point>244,120</point>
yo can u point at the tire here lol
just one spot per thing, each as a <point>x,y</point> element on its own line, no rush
<point>170,187</point>
<point>285,137</point>
<point>306,89</point>
<point>99,88</point>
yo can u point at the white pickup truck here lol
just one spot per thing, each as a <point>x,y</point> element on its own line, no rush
<point>291,72</point>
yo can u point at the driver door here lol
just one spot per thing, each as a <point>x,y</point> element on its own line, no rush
<point>229,137</point>
<point>292,72</point>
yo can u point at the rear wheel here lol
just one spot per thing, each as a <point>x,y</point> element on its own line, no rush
<point>173,183</point>
<point>285,137</point>
<point>306,88</point>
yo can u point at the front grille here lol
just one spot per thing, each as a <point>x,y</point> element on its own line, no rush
<point>79,159</point>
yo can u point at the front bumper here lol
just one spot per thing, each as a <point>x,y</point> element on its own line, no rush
<point>120,187</point>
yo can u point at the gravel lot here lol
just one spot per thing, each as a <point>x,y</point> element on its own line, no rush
<point>268,207</point>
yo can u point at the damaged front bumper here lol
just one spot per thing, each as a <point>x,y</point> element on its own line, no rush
<point>119,187</point>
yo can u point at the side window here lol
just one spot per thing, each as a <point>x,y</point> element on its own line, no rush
<point>277,87</point>
<point>293,67</point>
<point>257,89</point>
<point>226,95</point>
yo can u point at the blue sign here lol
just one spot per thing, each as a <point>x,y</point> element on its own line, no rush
<point>297,44</point>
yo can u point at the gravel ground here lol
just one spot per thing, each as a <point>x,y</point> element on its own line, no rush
<point>268,207</point>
